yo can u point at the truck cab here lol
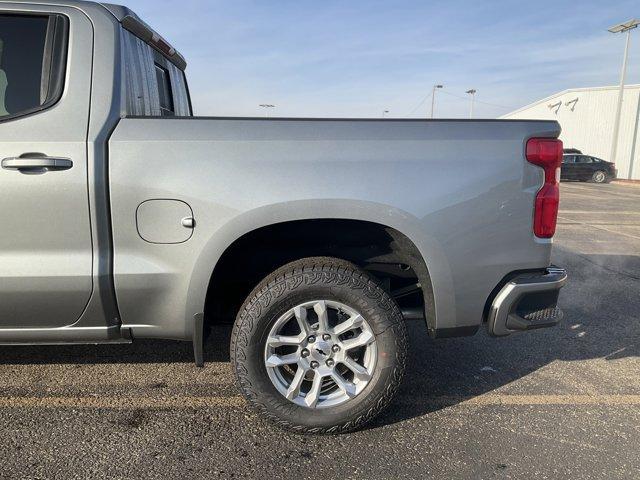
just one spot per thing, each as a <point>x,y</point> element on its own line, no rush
<point>62,89</point>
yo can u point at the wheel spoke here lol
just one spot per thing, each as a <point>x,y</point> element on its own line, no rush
<point>301,317</point>
<point>347,387</point>
<point>323,316</point>
<point>358,370</point>
<point>294,389</point>
<point>280,360</point>
<point>365,338</point>
<point>282,340</point>
<point>349,324</point>
<point>311,399</point>
<point>302,360</point>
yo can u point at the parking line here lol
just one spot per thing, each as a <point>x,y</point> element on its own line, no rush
<point>124,402</point>
<point>151,403</point>
<point>597,226</point>
<point>607,400</point>
<point>601,195</point>
<point>597,212</point>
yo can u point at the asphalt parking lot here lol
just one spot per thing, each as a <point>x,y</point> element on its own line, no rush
<point>556,403</point>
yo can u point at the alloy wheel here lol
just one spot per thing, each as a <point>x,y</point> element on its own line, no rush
<point>320,354</point>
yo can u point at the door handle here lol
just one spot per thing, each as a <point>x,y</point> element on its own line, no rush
<point>36,164</point>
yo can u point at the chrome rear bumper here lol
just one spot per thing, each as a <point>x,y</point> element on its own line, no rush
<point>527,302</point>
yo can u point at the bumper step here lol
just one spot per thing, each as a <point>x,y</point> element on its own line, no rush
<point>546,317</point>
<point>527,302</point>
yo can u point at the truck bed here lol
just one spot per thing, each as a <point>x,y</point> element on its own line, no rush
<point>460,190</point>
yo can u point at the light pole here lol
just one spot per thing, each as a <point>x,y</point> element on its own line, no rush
<point>472,92</point>
<point>621,28</point>
<point>267,107</point>
<point>433,98</point>
<point>384,113</point>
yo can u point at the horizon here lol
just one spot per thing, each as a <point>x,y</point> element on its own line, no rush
<point>362,58</point>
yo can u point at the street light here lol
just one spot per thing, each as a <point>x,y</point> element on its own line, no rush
<point>266,107</point>
<point>433,97</point>
<point>384,113</point>
<point>621,28</point>
<point>472,92</point>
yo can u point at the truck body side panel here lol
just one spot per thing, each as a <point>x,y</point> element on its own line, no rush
<point>460,190</point>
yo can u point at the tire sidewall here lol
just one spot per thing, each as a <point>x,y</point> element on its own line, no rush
<point>346,286</point>
<point>594,177</point>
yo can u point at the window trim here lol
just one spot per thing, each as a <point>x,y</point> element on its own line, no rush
<point>186,86</point>
<point>54,59</point>
<point>165,112</point>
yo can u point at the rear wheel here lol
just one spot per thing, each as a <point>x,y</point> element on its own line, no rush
<point>319,347</point>
<point>599,177</point>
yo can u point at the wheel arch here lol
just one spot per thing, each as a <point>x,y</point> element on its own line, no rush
<point>421,252</point>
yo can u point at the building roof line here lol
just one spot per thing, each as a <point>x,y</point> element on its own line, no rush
<point>569,90</point>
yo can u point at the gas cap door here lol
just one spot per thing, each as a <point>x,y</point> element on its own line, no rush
<point>165,221</point>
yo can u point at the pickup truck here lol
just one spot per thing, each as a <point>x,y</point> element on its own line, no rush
<point>125,217</point>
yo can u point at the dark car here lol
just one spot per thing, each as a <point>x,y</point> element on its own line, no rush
<point>587,169</point>
<point>572,150</point>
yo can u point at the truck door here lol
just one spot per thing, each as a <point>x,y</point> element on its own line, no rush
<point>45,236</point>
<point>583,167</point>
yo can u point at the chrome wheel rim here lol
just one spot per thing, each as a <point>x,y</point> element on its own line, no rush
<point>320,354</point>
<point>599,177</point>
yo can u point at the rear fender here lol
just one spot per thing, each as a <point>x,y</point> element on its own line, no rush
<point>384,215</point>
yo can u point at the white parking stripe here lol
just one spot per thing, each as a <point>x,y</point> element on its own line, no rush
<point>599,227</point>
<point>597,212</point>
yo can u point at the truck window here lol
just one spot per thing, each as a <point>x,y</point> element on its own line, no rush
<point>153,85</point>
<point>164,89</point>
<point>31,63</point>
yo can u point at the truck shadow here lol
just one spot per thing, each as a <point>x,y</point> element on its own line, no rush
<point>601,304</point>
<point>602,321</point>
<point>140,351</point>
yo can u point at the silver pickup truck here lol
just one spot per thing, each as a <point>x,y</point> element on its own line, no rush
<point>124,217</point>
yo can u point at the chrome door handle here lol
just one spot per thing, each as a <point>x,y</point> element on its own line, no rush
<point>36,164</point>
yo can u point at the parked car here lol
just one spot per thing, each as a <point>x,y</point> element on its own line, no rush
<point>587,169</point>
<point>126,217</point>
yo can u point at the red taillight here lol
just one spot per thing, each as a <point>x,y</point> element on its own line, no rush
<point>546,153</point>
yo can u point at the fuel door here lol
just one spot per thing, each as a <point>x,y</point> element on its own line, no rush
<point>165,221</point>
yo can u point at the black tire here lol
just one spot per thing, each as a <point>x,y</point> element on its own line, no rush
<point>600,176</point>
<point>312,279</point>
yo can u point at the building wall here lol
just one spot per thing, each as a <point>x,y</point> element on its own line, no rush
<point>587,117</point>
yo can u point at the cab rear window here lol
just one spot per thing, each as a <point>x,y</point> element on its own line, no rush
<point>164,90</point>
<point>154,86</point>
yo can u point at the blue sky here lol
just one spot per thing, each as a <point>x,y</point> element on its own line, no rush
<point>357,58</point>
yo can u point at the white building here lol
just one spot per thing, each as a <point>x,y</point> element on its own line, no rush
<point>587,116</point>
